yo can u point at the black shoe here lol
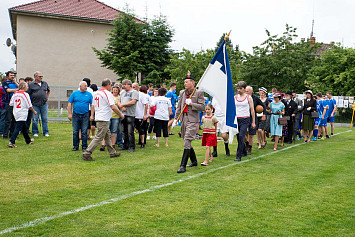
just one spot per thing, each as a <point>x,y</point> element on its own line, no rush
<point>182,169</point>
<point>131,150</point>
<point>142,146</point>
<point>171,134</point>
<point>75,149</point>
<point>184,159</point>
<point>102,148</point>
<point>192,165</point>
<point>122,149</point>
<point>238,159</point>
<point>289,142</point>
<point>227,149</point>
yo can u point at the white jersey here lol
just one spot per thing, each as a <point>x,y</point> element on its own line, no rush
<point>163,104</point>
<point>102,101</point>
<point>242,107</point>
<point>140,105</point>
<point>21,103</point>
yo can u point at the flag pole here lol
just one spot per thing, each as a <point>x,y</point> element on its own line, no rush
<point>227,36</point>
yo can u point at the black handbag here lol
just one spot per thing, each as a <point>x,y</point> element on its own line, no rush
<point>314,114</point>
<point>282,121</point>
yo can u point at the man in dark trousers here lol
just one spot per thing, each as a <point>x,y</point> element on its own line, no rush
<point>290,112</point>
<point>252,131</point>
<point>10,86</point>
<point>189,119</point>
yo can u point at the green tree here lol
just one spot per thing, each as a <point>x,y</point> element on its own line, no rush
<point>334,72</point>
<point>184,61</point>
<point>135,46</point>
<point>279,62</point>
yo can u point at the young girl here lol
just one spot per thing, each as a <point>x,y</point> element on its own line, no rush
<point>21,103</point>
<point>209,137</point>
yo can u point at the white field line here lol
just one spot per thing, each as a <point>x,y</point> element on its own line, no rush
<point>113,200</point>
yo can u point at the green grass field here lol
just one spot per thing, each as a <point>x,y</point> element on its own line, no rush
<point>302,190</point>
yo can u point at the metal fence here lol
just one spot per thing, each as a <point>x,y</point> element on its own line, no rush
<point>58,102</point>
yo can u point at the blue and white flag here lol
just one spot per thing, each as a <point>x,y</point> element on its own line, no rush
<point>217,81</point>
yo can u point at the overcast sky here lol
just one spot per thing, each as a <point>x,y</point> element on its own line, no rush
<point>199,24</point>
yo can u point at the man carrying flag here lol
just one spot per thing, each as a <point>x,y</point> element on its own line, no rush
<point>189,105</point>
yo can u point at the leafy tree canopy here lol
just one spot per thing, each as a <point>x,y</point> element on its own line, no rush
<point>335,72</point>
<point>279,62</point>
<point>137,47</point>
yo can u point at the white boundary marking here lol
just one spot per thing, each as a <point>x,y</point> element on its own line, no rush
<point>113,200</point>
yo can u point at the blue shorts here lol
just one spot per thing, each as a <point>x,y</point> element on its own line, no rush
<point>114,125</point>
<point>317,121</point>
<point>323,123</point>
<point>331,119</point>
<point>172,116</point>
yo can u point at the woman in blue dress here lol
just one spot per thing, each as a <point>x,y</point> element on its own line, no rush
<point>277,110</point>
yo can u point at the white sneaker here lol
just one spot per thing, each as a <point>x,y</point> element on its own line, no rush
<point>35,135</point>
<point>11,145</point>
<point>92,137</point>
<point>148,138</point>
<point>46,135</point>
<point>154,138</point>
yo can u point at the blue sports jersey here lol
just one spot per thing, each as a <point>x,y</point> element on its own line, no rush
<point>320,108</point>
<point>325,105</point>
<point>172,96</point>
<point>331,102</point>
<point>9,85</point>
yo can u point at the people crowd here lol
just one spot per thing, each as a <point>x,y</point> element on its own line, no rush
<point>21,103</point>
<point>113,112</point>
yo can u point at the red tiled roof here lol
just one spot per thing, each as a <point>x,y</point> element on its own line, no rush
<point>86,9</point>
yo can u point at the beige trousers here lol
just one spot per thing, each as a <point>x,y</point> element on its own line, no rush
<point>103,133</point>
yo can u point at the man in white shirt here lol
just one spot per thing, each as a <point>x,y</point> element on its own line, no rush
<point>103,106</point>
